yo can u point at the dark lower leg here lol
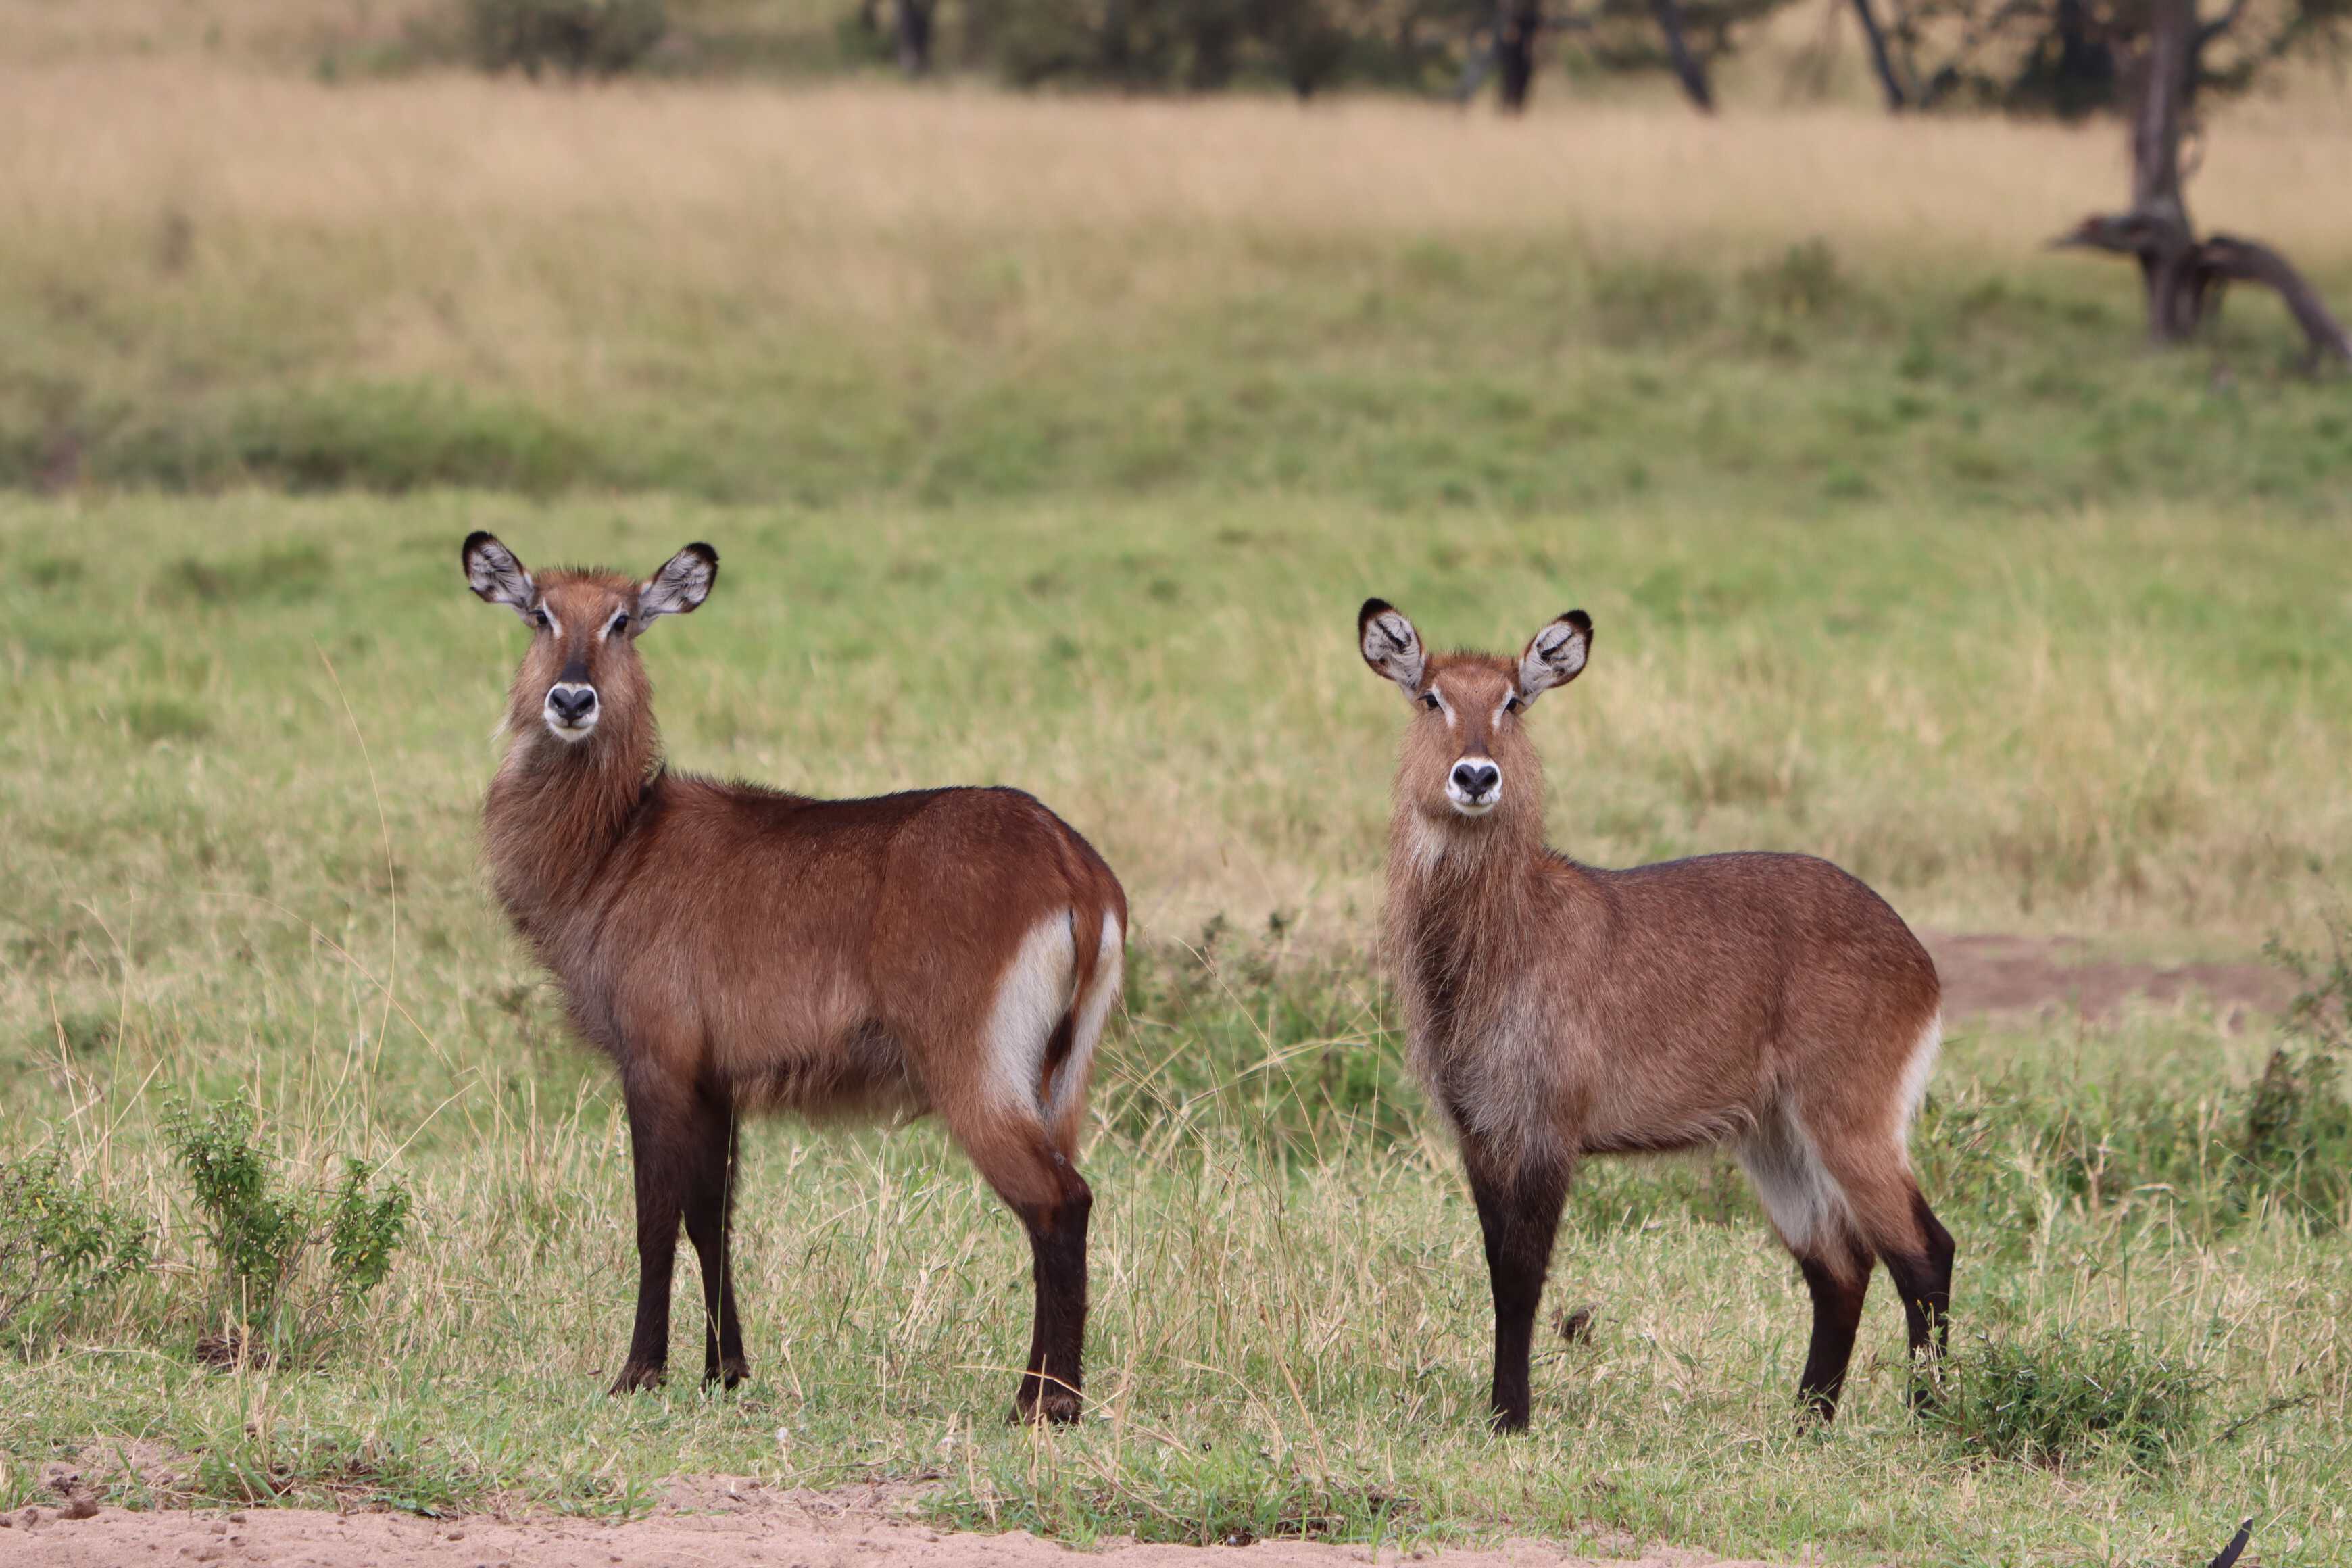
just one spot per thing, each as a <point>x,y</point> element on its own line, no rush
<point>1519,1215</point>
<point>1839,1279</point>
<point>655,1140</point>
<point>1923,1276</point>
<point>709,1213</point>
<point>1058,1243</point>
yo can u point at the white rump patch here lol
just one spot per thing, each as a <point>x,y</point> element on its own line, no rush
<point>1915,1074</point>
<point>1094,1010</point>
<point>1030,1000</point>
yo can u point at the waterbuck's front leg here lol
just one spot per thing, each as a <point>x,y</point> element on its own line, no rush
<point>1518,1211</point>
<point>665,1149</point>
<point>710,1225</point>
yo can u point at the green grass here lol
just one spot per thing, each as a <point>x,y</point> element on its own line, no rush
<point>1067,466</point>
<point>1413,376</point>
<point>242,744</point>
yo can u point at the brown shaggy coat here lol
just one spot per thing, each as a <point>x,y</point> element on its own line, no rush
<point>1771,1003</point>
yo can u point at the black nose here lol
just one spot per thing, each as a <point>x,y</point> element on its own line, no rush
<point>1474,779</point>
<point>571,704</point>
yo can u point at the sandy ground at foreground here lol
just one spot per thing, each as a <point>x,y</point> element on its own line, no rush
<point>703,1522</point>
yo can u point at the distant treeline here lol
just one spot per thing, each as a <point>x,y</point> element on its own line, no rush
<point>2062,57</point>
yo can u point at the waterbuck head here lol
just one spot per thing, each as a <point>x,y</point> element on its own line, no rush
<point>1465,756</point>
<point>582,671</point>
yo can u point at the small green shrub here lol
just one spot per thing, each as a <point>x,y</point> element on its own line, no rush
<point>294,1263</point>
<point>577,37</point>
<point>2070,1398</point>
<point>62,1247</point>
<point>2298,1129</point>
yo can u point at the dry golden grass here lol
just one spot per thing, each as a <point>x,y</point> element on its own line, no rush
<point>810,194</point>
<point>564,241</point>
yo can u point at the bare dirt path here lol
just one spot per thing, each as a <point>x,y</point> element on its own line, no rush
<point>704,1522</point>
<point>2040,975</point>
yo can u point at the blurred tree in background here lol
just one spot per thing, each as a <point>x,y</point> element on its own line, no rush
<point>2068,57</point>
<point>2074,57</point>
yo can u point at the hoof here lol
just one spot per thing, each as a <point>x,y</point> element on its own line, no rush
<point>636,1378</point>
<point>726,1374</point>
<point>1509,1421</point>
<point>1055,1407</point>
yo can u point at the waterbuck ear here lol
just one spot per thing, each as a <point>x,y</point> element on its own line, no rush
<point>1555,655</point>
<point>682,583</point>
<point>494,573</point>
<point>1391,646</point>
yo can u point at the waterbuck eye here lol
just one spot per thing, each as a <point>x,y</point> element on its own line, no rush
<point>1512,705</point>
<point>1429,701</point>
<point>539,618</point>
<point>619,622</point>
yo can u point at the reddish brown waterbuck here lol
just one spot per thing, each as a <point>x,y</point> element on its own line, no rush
<point>737,950</point>
<point>1770,1003</point>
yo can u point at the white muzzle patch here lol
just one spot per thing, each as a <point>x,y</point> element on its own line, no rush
<point>571,711</point>
<point>1473,786</point>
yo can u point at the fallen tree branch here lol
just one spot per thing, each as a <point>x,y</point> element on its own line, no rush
<point>2186,277</point>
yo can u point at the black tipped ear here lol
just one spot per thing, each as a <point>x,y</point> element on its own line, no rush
<point>1389,645</point>
<point>494,573</point>
<point>682,583</point>
<point>1556,655</point>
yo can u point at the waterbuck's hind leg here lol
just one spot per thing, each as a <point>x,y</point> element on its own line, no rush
<point>710,1225</point>
<point>1811,1214</point>
<point>1920,1259</point>
<point>1892,1217</point>
<point>1041,1186</point>
<point>1050,1388</point>
<point>1837,1275</point>
<point>1518,1215</point>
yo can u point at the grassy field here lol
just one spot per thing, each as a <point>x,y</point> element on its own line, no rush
<point>227,884</point>
<point>1900,551</point>
<point>219,277</point>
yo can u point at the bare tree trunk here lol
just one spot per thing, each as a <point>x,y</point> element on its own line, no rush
<point>1688,67</point>
<point>1517,28</point>
<point>2181,276</point>
<point>1891,83</point>
<point>2157,200</point>
<point>979,24</point>
<point>915,35</point>
<point>1117,43</point>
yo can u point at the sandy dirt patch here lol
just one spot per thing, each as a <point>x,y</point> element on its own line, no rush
<point>2043,974</point>
<point>704,1522</point>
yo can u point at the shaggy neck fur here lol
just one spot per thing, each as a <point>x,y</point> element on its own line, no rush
<point>556,812</point>
<point>1467,901</point>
